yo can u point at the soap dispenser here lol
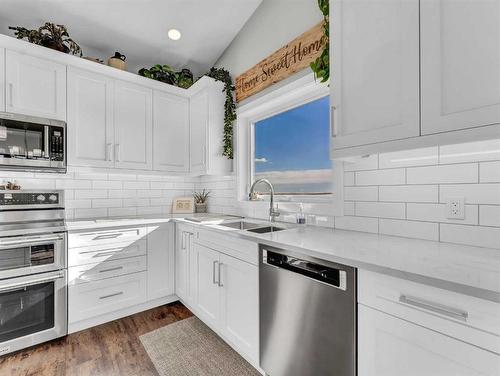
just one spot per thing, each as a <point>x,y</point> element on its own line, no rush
<point>301,217</point>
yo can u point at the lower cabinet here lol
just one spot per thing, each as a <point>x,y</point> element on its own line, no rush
<point>389,346</point>
<point>161,266</point>
<point>220,289</point>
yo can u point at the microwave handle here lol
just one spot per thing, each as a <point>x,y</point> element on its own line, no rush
<point>46,149</point>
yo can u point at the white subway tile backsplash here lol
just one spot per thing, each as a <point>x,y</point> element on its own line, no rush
<point>380,209</point>
<point>462,173</point>
<point>489,172</point>
<point>73,184</point>
<point>361,193</point>
<point>78,204</point>
<point>409,158</point>
<point>348,179</point>
<point>131,202</point>
<point>106,184</point>
<point>369,162</point>
<point>89,193</point>
<point>90,213</point>
<point>471,235</point>
<point>410,229</point>
<point>381,177</point>
<point>473,193</point>
<point>489,215</point>
<point>349,208</point>
<point>357,223</point>
<point>129,184</point>
<point>121,177</point>
<point>438,213</point>
<point>148,193</point>
<point>409,193</point>
<point>122,212</point>
<point>470,152</point>
<point>117,193</point>
<point>90,175</point>
<point>107,203</point>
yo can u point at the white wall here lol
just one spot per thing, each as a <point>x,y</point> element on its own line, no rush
<point>405,194</point>
<point>274,24</point>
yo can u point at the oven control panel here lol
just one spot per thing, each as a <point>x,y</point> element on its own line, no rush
<point>12,198</point>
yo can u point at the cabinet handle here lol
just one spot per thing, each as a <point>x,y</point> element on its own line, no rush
<point>213,273</point>
<point>107,236</point>
<point>333,126</point>
<point>111,295</point>
<point>111,269</point>
<point>204,156</point>
<point>183,240</point>
<point>434,307</point>
<point>109,155</point>
<point>11,94</point>
<point>220,280</point>
<point>117,152</point>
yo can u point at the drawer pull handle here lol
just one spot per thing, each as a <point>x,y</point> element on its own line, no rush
<point>213,273</point>
<point>434,307</point>
<point>111,269</point>
<point>220,281</point>
<point>111,295</point>
<point>109,253</point>
<point>107,236</point>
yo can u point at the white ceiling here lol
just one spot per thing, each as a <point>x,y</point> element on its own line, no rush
<point>138,28</point>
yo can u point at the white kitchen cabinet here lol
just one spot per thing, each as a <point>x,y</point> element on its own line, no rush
<point>389,346</point>
<point>239,304</point>
<point>206,118</point>
<point>208,302</point>
<point>35,86</point>
<point>90,119</point>
<point>375,71</point>
<point>460,64</point>
<point>160,261</point>
<point>170,132</point>
<point>186,266</point>
<point>2,79</point>
<point>133,126</point>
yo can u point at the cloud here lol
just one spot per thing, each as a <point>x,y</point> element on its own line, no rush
<point>261,160</point>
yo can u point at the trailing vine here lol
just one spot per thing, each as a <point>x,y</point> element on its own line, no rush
<point>221,74</point>
<point>321,66</point>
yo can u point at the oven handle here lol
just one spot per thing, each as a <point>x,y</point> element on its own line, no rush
<point>28,240</point>
<point>13,286</point>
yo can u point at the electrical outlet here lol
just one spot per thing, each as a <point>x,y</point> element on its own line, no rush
<point>455,208</point>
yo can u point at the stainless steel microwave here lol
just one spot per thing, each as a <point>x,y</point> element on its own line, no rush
<point>32,143</point>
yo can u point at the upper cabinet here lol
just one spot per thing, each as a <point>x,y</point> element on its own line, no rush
<point>206,117</point>
<point>90,119</point>
<point>2,79</point>
<point>410,73</point>
<point>460,62</point>
<point>170,132</point>
<point>375,77</point>
<point>133,126</point>
<point>35,86</point>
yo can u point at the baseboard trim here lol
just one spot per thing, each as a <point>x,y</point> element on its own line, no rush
<point>102,319</point>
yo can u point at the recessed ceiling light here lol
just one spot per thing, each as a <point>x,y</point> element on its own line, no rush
<point>174,34</point>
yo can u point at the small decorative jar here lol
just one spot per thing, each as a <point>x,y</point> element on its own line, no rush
<point>201,208</point>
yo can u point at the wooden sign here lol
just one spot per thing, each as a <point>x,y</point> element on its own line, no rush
<point>293,57</point>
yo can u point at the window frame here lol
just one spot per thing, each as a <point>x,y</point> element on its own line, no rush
<point>286,97</point>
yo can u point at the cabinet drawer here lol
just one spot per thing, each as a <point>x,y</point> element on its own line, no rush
<point>244,250</point>
<point>467,318</point>
<point>105,252</point>
<point>108,269</point>
<point>91,238</point>
<point>87,300</point>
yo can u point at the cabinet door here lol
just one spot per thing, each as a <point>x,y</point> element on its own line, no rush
<point>181,265</point>
<point>198,110</point>
<point>2,79</point>
<point>133,114</point>
<point>375,71</point>
<point>192,281</point>
<point>90,119</point>
<point>460,62</point>
<point>388,346</point>
<point>171,133</point>
<point>160,261</point>
<point>35,86</point>
<point>208,303</point>
<point>240,304</point>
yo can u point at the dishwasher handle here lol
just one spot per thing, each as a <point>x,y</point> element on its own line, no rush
<point>322,273</point>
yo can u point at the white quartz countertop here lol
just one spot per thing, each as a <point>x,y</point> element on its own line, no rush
<point>465,269</point>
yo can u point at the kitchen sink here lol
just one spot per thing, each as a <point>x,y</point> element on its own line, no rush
<point>241,225</point>
<point>264,230</point>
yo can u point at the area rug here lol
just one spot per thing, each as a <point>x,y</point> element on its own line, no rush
<point>189,347</point>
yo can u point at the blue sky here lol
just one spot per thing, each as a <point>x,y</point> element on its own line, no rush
<point>294,140</point>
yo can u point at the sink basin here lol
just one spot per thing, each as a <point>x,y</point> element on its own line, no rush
<point>241,225</point>
<point>264,230</point>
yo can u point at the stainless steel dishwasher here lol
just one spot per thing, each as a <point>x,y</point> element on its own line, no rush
<point>307,315</point>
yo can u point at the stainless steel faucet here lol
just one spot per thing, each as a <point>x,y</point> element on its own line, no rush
<point>273,211</point>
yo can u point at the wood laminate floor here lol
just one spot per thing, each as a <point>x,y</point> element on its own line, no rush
<point>110,349</point>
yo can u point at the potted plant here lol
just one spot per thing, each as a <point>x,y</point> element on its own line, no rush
<point>200,201</point>
<point>166,74</point>
<point>51,36</point>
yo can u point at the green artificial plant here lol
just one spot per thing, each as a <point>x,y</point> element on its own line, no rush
<point>164,73</point>
<point>321,66</point>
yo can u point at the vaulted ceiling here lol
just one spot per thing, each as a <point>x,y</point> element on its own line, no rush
<point>138,28</point>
